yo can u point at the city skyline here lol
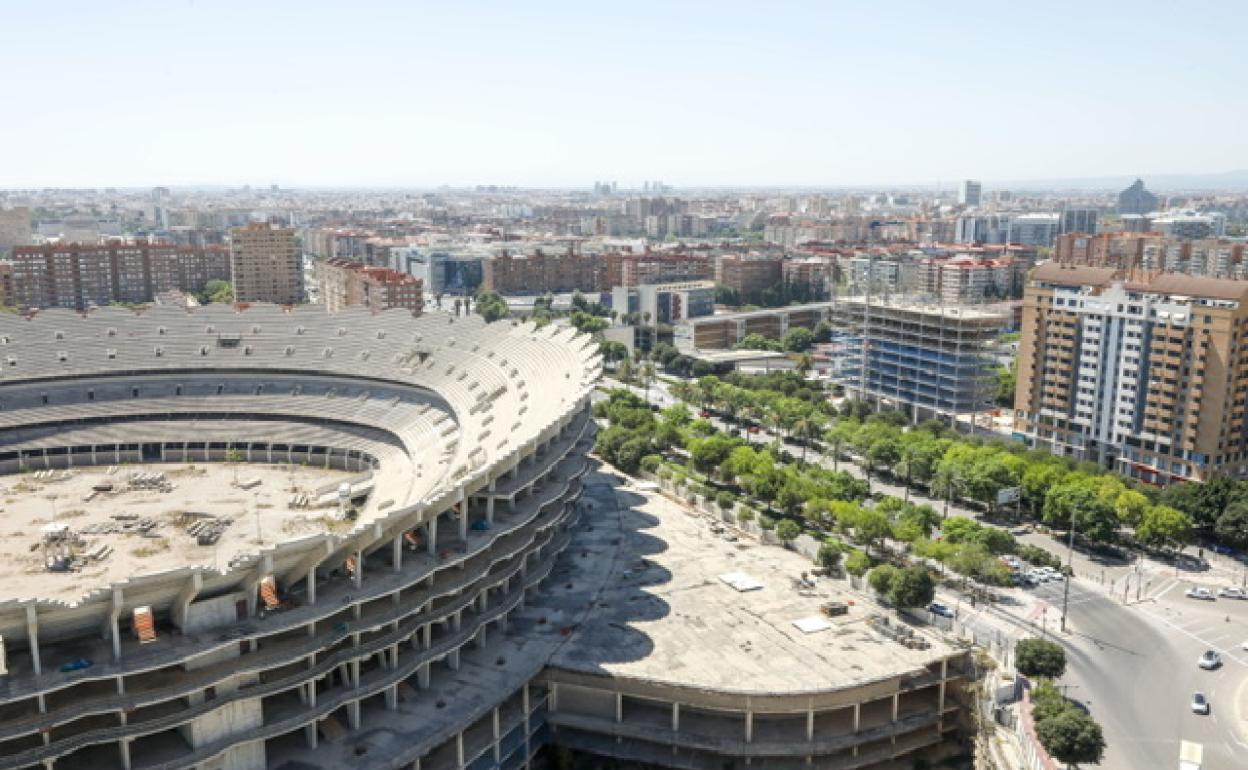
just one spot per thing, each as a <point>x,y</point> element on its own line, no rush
<point>388,95</point>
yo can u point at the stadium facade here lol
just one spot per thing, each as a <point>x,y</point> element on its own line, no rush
<point>441,602</point>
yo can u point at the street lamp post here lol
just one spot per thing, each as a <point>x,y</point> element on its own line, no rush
<point>1070,569</point>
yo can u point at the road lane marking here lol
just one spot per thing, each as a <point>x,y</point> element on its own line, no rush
<point>1185,632</point>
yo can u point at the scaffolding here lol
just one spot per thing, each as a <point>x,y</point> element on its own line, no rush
<point>927,358</point>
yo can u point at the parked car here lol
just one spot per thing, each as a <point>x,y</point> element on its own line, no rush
<point>1199,593</point>
<point>936,608</point>
<point>1200,704</point>
<point>1233,592</point>
<point>1209,660</point>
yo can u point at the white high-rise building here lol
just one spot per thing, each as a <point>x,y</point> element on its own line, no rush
<point>970,192</point>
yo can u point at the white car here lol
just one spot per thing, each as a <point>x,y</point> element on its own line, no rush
<point>1199,593</point>
<point>1200,704</point>
<point>1233,592</point>
<point>1209,660</point>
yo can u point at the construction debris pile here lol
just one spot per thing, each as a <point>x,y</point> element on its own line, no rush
<point>154,481</point>
<point>902,634</point>
<point>205,527</point>
<point>123,524</point>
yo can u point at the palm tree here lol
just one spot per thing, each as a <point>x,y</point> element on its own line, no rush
<point>647,377</point>
<point>804,364</point>
<point>806,427</point>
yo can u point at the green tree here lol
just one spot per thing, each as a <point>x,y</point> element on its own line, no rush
<point>798,340</point>
<point>829,554</point>
<point>1164,527</point>
<point>1072,737</point>
<point>913,587</point>
<point>787,531</point>
<point>857,563</point>
<point>491,306</point>
<point>1007,383</point>
<point>871,528</point>
<point>219,291</point>
<point>1039,658</point>
<point>1130,507</point>
<point>881,579</point>
<point>1232,525</point>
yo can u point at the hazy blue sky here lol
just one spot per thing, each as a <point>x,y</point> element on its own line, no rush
<point>562,93</point>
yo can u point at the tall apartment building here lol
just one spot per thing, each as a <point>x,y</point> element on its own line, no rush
<point>928,359</point>
<point>970,192</point>
<point>15,228</point>
<point>748,273</point>
<point>540,273</point>
<point>345,283</point>
<point>1155,252</point>
<point>817,275</point>
<point>875,275</point>
<point>266,264</point>
<point>1145,377</point>
<point>964,279</point>
<point>78,276</point>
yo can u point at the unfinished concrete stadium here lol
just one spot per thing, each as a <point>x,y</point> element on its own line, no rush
<point>274,537</point>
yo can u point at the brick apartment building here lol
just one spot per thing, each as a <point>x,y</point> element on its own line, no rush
<point>345,283</point>
<point>78,275</point>
<point>541,273</point>
<point>748,273</point>
<point>1143,376</point>
<point>624,269</point>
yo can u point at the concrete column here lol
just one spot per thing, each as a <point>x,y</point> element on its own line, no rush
<point>482,634</point>
<point>457,620</point>
<point>619,707</point>
<point>749,727</point>
<point>32,633</point>
<point>489,508</point>
<point>431,535</point>
<point>312,694</point>
<point>944,674</point>
<point>124,746</point>
<point>355,673</point>
<point>392,697</point>
<point>394,657</point>
<point>459,749</point>
<point>422,677</point>
<point>396,553</point>
<point>675,717</point>
<point>112,627</point>
<point>463,514</point>
<point>309,735</point>
<point>359,568</point>
<point>452,660</point>
<point>426,636</point>
<point>312,586</point>
<point>857,717</point>
<point>353,714</point>
<point>896,704</point>
<point>498,750</point>
<point>810,725</point>
<point>554,696</point>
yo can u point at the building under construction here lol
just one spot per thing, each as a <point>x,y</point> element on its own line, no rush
<point>932,360</point>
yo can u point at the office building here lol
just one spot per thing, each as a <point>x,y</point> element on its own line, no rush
<point>1146,377</point>
<point>969,193</point>
<point>79,276</point>
<point>723,330</point>
<point>665,303</point>
<point>1188,224</point>
<point>929,360</point>
<point>983,228</point>
<point>266,264</point>
<point>345,283</point>
<point>1078,220</point>
<point>1034,229</point>
<point>1136,199</point>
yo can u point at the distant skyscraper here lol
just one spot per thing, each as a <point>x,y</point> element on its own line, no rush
<point>1136,199</point>
<point>1078,220</point>
<point>969,192</point>
<point>266,265</point>
<point>160,207</point>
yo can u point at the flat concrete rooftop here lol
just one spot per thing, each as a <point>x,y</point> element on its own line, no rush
<point>665,615</point>
<point>145,530</point>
